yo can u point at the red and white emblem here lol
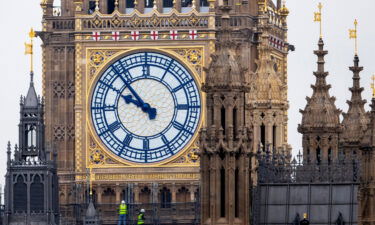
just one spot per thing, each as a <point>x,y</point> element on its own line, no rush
<point>135,35</point>
<point>96,36</point>
<point>173,34</point>
<point>154,35</point>
<point>115,35</point>
<point>193,34</point>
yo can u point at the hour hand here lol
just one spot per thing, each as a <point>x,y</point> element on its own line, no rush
<point>129,99</point>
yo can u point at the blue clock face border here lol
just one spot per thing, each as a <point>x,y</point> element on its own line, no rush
<point>123,86</point>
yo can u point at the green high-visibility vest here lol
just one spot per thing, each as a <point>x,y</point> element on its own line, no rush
<point>140,219</point>
<point>123,209</point>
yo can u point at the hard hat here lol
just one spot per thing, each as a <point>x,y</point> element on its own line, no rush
<point>122,202</point>
<point>143,210</point>
<point>305,215</point>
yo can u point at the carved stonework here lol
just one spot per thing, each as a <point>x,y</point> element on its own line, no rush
<point>97,58</point>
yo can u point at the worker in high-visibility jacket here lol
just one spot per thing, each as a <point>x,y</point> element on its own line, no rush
<point>141,217</point>
<point>122,211</point>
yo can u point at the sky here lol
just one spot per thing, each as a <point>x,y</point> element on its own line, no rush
<point>338,17</point>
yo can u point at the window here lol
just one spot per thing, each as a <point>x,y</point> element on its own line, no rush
<point>165,198</point>
<point>129,3</point>
<point>167,3</point>
<point>149,3</point>
<point>222,192</point>
<point>110,6</point>
<point>274,136</point>
<point>20,195</point>
<point>92,7</point>
<point>236,193</point>
<point>263,136</point>
<point>186,3</point>
<point>204,3</point>
<point>318,156</point>
<point>37,195</point>
<point>223,118</point>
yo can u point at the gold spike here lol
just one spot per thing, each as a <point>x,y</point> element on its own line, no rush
<point>353,35</point>
<point>318,17</point>
<point>373,86</point>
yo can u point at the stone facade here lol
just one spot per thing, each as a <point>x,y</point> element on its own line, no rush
<point>72,59</point>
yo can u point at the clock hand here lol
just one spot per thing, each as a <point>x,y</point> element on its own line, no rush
<point>145,107</point>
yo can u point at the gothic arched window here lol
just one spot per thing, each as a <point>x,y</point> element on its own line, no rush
<point>37,195</point>
<point>183,195</point>
<point>165,198</point>
<point>110,6</point>
<point>144,195</point>
<point>222,192</point>
<point>20,195</point>
<point>167,3</point>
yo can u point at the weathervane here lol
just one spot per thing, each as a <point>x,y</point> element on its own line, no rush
<point>29,48</point>
<point>353,35</point>
<point>318,17</point>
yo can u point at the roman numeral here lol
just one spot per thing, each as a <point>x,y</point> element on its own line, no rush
<point>146,70</point>
<point>186,107</point>
<point>181,85</point>
<point>166,142</point>
<point>114,126</point>
<point>179,126</point>
<point>146,144</point>
<point>127,140</point>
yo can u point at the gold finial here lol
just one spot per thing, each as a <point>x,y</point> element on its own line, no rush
<point>353,35</point>
<point>373,86</point>
<point>318,17</point>
<point>135,3</point>
<point>90,179</point>
<point>284,10</point>
<point>193,4</point>
<point>29,48</point>
<point>155,7</point>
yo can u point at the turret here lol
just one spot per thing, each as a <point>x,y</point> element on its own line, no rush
<point>320,125</point>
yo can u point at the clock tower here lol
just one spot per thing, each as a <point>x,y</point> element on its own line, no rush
<point>122,81</point>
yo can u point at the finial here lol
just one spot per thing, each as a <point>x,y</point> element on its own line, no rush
<point>262,4</point>
<point>353,35</point>
<point>373,86</point>
<point>135,3</point>
<point>155,5</point>
<point>29,48</point>
<point>284,10</point>
<point>97,5</point>
<point>318,18</point>
<point>116,5</point>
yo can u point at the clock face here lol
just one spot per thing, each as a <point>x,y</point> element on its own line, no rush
<point>146,107</point>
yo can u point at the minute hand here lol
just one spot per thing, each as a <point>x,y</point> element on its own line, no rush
<point>145,106</point>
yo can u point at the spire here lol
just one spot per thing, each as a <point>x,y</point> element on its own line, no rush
<point>355,120</point>
<point>320,111</point>
<point>31,99</point>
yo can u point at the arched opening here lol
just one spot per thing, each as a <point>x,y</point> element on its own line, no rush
<point>329,155</point>
<point>204,6</point>
<point>183,195</point>
<point>91,7</point>
<point>109,196</point>
<point>37,195</point>
<point>236,193</point>
<point>263,136</point>
<point>20,195</point>
<point>165,198</point>
<point>222,192</point>
<point>110,6</point>
<point>235,122</point>
<point>149,4</point>
<point>167,5</point>
<point>145,195</point>
<point>222,114</point>
<point>56,8</point>
<point>186,5</point>
<point>31,136</point>
<point>318,156</point>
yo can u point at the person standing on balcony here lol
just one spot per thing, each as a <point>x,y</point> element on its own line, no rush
<point>123,211</point>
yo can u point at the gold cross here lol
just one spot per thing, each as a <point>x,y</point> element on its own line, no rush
<point>318,17</point>
<point>353,35</point>
<point>29,48</point>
